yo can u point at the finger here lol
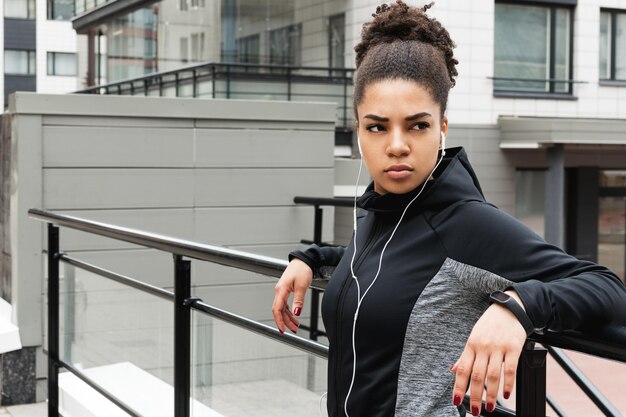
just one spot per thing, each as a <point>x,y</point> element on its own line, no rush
<point>510,369</point>
<point>494,370</point>
<point>298,297</point>
<point>290,320</point>
<point>477,385</point>
<point>278,306</point>
<point>463,371</point>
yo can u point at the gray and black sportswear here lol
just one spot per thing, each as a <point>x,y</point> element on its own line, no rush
<point>450,252</point>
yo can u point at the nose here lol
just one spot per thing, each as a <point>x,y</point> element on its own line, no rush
<point>397,145</point>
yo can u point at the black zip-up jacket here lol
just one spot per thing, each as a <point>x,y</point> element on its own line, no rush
<point>450,252</point>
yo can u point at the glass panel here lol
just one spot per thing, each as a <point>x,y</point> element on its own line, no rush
<point>16,8</point>
<point>605,45</point>
<point>611,234</point>
<point>337,40</point>
<point>620,47</point>
<point>61,64</point>
<point>16,62</point>
<point>248,49</point>
<point>239,374</point>
<point>121,338</point>
<point>286,46</point>
<point>530,188</point>
<point>527,59</point>
<point>60,9</point>
<point>561,54</point>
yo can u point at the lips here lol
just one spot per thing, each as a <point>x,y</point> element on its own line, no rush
<point>399,171</point>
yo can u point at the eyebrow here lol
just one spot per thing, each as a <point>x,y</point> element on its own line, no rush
<point>386,119</point>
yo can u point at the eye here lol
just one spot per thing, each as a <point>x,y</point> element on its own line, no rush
<point>421,126</point>
<point>374,128</point>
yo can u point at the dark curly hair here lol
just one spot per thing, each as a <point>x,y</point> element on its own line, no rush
<point>402,42</point>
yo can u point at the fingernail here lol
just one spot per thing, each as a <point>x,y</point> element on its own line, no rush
<point>475,411</point>
<point>452,368</point>
<point>297,311</point>
<point>295,331</point>
<point>490,407</point>
<point>507,395</point>
<point>457,400</point>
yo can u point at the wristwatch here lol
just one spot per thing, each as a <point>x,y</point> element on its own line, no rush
<point>513,306</point>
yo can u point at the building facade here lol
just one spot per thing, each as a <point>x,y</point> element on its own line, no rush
<point>39,47</point>
<point>540,101</point>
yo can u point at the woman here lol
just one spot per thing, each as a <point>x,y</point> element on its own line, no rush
<point>416,294</point>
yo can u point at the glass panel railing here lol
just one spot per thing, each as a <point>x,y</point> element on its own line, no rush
<point>236,373</point>
<point>120,338</point>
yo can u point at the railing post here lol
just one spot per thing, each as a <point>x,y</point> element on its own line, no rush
<point>182,336</point>
<point>53,320</point>
<point>315,294</point>
<point>530,398</point>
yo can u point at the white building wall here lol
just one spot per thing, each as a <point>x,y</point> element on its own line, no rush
<point>471,25</point>
<point>53,36</point>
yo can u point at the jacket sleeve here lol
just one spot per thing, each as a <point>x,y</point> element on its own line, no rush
<point>316,257</point>
<point>559,291</point>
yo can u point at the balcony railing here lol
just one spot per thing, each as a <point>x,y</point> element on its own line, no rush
<point>245,81</point>
<point>610,343</point>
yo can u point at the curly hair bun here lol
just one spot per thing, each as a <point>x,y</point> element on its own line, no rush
<point>401,41</point>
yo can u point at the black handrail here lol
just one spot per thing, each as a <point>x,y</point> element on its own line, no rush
<point>260,264</point>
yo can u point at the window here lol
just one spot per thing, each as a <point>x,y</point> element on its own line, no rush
<point>530,199</point>
<point>182,5</point>
<point>19,9</point>
<point>60,9</point>
<point>61,63</point>
<point>197,46</point>
<point>286,45</point>
<point>19,62</point>
<point>184,49</point>
<point>336,40</point>
<point>197,3</point>
<point>613,45</point>
<point>248,49</point>
<point>533,52</point>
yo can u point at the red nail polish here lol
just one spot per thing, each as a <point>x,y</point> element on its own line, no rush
<point>297,311</point>
<point>451,368</point>
<point>475,411</point>
<point>490,407</point>
<point>507,395</point>
<point>457,400</point>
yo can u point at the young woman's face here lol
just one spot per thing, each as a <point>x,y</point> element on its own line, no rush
<point>400,128</point>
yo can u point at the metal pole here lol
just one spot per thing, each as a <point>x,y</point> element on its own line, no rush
<point>530,399</point>
<point>182,336</point>
<point>315,295</point>
<point>53,320</point>
<point>555,196</point>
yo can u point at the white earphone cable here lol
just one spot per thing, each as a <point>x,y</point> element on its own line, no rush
<point>380,262</point>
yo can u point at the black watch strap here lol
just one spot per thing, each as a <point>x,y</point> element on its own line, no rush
<point>513,306</point>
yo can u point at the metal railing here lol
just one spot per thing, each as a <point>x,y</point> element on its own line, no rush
<point>184,303</point>
<point>531,396</point>
<point>225,80</point>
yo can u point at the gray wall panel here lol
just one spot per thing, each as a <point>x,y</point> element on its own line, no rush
<point>113,146</point>
<point>108,121</point>
<point>238,187</point>
<point>242,148</point>
<point>120,188</point>
<point>20,34</point>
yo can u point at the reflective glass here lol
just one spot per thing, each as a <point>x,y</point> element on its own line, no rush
<point>605,45</point>
<point>119,337</point>
<point>19,62</point>
<point>620,47</point>
<point>60,9</point>
<point>19,9</point>
<point>514,58</point>
<point>561,54</point>
<point>61,64</point>
<point>172,34</point>
<point>237,373</point>
<point>530,186</point>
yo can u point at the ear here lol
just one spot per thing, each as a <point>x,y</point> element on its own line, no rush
<point>444,130</point>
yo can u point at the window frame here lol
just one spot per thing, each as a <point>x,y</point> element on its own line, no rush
<point>29,16</point>
<point>54,54</point>
<point>552,6</point>
<point>612,52</point>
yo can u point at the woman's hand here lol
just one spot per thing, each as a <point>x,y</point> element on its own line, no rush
<point>296,279</point>
<point>496,339</point>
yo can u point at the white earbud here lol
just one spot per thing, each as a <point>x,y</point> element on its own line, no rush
<point>443,144</point>
<point>358,141</point>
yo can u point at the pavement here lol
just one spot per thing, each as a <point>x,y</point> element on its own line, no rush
<point>28,410</point>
